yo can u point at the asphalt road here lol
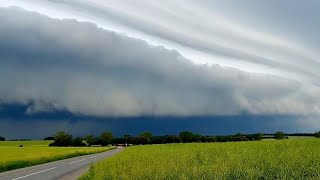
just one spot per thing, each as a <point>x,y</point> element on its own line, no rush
<point>66,169</point>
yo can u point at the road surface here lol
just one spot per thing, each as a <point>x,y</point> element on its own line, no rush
<point>66,169</point>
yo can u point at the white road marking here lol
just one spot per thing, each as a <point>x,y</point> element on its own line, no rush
<point>76,161</point>
<point>94,156</point>
<point>34,173</point>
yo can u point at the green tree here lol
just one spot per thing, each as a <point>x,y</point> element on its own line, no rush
<point>203,139</point>
<point>141,140</point>
<point>78,142</point>
<point>172,139</point>
<point>62,139</point>
<point>258,136</point>
<point>317,134</point>
<point>211,139</point>
<point>157,139</point>
<point>146,134</point>
<point>2,138</point>
<point>106,138</point>
<point>90,139</point>
<point>186,136</point>
<point>279,135</point>
<point>128,138</point>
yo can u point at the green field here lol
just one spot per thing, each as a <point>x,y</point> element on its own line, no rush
<point>37,152</point>
<point>278,159</point>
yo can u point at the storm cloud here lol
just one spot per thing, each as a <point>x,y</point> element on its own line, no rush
<point>65,65</point>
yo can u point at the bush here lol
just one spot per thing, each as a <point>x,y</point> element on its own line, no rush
<point>48,138</point>
<point>279,135</point>
<point>317,134</point>
<point>78,142</point>
<point>62,139</point>
<point>258,136</point>
<point>2,138</point>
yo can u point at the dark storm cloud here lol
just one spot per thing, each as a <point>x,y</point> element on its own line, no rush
<point>66,65</point>
<point>14,123</point>
<point>271,37</point>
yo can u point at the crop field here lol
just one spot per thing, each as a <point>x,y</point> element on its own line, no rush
<point>278,159</point>
<point>37,152</point>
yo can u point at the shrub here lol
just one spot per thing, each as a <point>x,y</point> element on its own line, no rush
<point>48,138</point>
<point>62,139</point>
<point>2,138</point>
<point>78,142</point>
<point>279,135</point>
<point>258,136</point>
<point>317,134</point>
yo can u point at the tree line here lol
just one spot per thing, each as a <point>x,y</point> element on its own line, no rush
<point>64,139</point>
<point>106,138</point>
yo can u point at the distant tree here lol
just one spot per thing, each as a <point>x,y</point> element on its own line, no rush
<point>91,140</point>
<point>172,139</point>
<point>48,138</point>
<point>203,139</point>
<point>141,140</point>
<point>78,142</point>
<point>258,136</point>
<point>186,136</point>
<point>106,138</point>
<point>119,141</point>
<point>239,137</point>
<point>317,134</point>
<point>157,139</point>
<point>279,135</point>
<point>196,138</point>
<point>224,138</point>
<point>211,139</point>
<point>62,139</point>
<point>128,138</point>
<point>2,138</point>
<point>146,134</point>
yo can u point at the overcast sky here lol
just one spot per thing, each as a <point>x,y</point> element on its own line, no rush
<point>181,59</point>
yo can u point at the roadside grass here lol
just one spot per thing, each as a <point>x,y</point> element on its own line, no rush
<point>38,152</point>
<point>279,159</point>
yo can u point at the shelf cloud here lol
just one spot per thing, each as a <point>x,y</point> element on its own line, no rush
<point>58,64</point>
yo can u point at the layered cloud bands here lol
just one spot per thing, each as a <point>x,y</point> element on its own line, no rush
<point>51,64</point>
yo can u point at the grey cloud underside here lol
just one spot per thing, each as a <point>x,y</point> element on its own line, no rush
<point>74,66</point>
<point>244,35</point>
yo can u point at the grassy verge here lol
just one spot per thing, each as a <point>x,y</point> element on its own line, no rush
<point>38,152</point>
<point>285,159</point>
